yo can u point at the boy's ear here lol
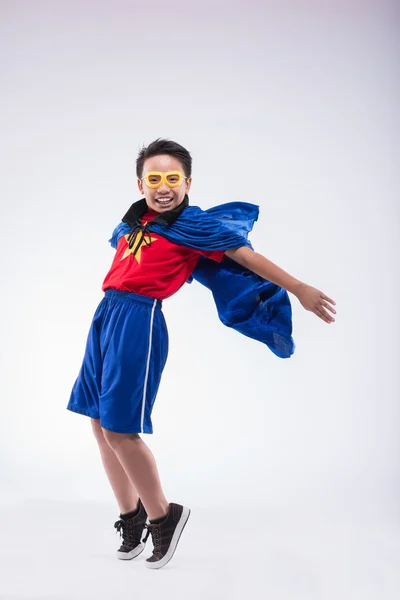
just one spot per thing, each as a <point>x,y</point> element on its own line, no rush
<point>140,186</point>
<point>188,184</point>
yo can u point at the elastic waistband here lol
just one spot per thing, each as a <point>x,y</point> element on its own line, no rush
<point>131,297</point>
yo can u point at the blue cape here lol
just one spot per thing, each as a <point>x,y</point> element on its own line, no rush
<point>245,301</point>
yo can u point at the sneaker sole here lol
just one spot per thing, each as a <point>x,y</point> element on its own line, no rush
<point>174,542</point>
<point>133,553</point>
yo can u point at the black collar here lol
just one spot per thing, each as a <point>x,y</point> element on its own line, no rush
<point>140,208</point>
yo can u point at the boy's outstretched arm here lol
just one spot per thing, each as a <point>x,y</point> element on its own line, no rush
<point>311,298</point>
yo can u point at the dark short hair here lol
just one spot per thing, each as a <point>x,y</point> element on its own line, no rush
<point>163,146</point>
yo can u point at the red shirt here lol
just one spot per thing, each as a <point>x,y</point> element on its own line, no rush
<point>157,270</point>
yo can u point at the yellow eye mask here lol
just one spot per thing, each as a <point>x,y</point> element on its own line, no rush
<point>171,178</point>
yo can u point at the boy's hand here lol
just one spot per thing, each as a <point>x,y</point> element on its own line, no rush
<point>315,301</point>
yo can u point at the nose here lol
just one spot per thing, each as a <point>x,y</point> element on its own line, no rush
<point>163,188</point>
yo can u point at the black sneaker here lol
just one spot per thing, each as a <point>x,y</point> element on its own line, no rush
<point>131,532</point>
<point>165,535</point>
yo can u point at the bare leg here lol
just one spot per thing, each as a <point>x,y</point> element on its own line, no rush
<point>125,493</point>
<point>139,464</point>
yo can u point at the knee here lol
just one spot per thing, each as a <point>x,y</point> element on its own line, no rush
<point>114,440</point>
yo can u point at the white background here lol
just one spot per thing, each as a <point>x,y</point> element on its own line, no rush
<point>292,108</point>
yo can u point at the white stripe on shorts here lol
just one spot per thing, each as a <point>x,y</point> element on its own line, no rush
<point>147,365</point>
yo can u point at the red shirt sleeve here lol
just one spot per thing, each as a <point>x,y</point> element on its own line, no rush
<point>216,255</point>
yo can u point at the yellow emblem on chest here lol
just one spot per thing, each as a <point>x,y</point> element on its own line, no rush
<point>147,240</point>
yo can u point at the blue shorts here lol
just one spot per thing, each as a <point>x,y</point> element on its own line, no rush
<point>126,352</point>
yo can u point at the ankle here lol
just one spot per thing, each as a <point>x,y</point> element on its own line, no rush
<point>127,514</point>
<point>159,515</point>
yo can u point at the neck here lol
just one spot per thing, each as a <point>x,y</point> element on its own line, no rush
<point>139,208</point>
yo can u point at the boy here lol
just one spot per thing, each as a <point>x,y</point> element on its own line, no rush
<point>160,244</point>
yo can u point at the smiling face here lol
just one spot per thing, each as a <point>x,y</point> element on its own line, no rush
<point>163,198</point>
